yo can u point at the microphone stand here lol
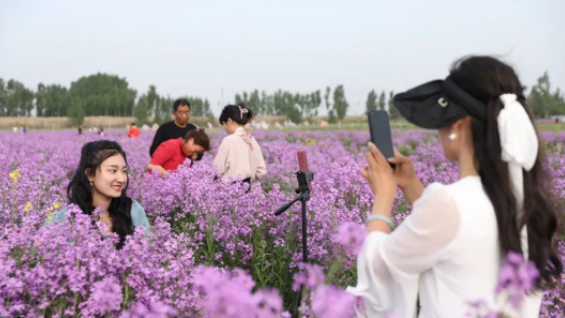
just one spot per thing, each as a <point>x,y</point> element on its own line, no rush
<point>303,192</point>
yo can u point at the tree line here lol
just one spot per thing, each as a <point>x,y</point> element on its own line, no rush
<point>109,95</point>
<point>94,95</point>
<point>543,101</point>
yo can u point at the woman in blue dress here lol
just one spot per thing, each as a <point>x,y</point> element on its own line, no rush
<point>101,180</point>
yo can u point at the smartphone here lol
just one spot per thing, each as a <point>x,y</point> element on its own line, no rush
<point>379,126</point>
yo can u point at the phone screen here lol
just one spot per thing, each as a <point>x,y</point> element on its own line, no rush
<point>379,126</point>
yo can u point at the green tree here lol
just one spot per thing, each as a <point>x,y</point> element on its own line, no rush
<point>393,113</point>
<point>3,109</point>
<point>75,111</point>
<point>254,102</point>
<point>104,95</point>
<point>543,101</point>
<point>327,97</point>
<point>141,111</point>
<point>371,103</point>
<point>382,101</point>
<point>285,104</point>
<point>332,119</point>
<point>17,99</point>
<point>153,101</point>
<point>52,100</point>
<point>309,103</point>
<point>340,104</point>
<point>199,107</point>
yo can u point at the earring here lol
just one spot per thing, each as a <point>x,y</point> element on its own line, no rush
<point>91,184</point>
<point>452,136</point>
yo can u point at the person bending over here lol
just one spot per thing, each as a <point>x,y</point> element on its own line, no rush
<point>175,129</point>
<point>174,152</point>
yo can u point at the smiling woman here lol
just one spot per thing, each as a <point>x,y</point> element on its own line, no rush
<point>101,181</point>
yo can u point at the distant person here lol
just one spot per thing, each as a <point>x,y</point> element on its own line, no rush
<point>101,180</point>
<point>80,129</point>
<point>24,129</point>
<point>239,154</point>
<point>174,129</point>
<point>172,153</point>
<point>133,131</point>
<point>15,129</point>
<point>100,130</point>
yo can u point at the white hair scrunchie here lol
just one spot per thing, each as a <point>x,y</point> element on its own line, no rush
<point>519,142</point>
<point>242,111</point>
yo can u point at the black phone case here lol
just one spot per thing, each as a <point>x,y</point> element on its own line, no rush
<point>379,126</point>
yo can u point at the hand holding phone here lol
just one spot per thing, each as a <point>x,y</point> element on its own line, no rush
<point>379,126</point>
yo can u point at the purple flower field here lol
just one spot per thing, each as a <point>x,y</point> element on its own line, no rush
<point>214,249</point>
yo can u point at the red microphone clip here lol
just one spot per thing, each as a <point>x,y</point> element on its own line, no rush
<point>303,161</point>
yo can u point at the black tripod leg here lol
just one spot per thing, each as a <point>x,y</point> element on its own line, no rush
<point>304,234</point>
<point>297,303</point>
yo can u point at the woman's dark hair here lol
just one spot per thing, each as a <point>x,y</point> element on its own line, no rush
<point>200,138</point>
<point>235,113</point>
<point>486,78</point>
<point>79,190</point>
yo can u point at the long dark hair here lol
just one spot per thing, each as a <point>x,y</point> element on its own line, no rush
<point>79,190</point>
<point>486,78</point>
<point>234,112</point>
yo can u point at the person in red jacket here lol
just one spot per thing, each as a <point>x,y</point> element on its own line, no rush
<point>133,131</point>
<point>171,153</point>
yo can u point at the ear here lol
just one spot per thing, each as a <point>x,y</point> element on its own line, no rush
<point>88,174</point>
<point>458,125</point>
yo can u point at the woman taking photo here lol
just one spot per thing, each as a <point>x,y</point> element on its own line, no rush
<point>101,180</point>
<point>448,251</point>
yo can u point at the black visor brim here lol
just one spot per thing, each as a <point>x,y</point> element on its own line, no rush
<point>427,106</point>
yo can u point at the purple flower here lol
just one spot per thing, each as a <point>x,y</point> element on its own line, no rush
<point>106,297</point>
<point>310,276</point>
<point>351,236</point>
<point>516,278</point>
<point>229,294</point>
<point>196,220</point>
<point>155,309</point>
<point>332,302</point>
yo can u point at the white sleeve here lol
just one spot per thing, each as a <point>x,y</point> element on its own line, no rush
<point>389,265</point>
<point>221,161</point>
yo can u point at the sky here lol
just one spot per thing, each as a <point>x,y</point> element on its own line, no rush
<point>215,49</point>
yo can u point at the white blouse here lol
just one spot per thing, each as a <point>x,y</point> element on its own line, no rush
<point>446,252</point>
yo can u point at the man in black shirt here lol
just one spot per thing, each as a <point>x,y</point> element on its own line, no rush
<point>176,128</point>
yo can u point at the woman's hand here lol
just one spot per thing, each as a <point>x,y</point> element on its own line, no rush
<point>160,168</point>
<point>379,174</point>
<point>406,177</point>
<point>380,177</point>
